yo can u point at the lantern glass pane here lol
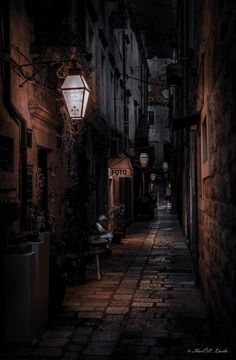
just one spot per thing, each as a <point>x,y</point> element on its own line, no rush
<point>74,101</point>
<point>86,96</point>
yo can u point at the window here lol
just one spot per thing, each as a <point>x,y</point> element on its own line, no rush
<point>151,117</point>
<point>6,153</point>
<point>59,141</point>
<point>204,142</point>
<point>126,123</point>
<point>136,116</point>
<point>110,104</point>
<point>205,146</point>
<point>167,152</point>
<point>103,82</point>
<point>151,151</point>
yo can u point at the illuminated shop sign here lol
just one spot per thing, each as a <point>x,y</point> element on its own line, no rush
<point>121,172</point>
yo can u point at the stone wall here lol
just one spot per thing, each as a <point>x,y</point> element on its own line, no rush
<point>217,201</point>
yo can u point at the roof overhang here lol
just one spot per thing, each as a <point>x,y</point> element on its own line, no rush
<point>186,121</point>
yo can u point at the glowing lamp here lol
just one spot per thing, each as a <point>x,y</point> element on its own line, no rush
<point>75,91</point>
<point>165,166</point>
<point>144,158</point>
<point>153,176</point>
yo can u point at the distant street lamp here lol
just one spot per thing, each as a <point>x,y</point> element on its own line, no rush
<point>75,91</point>
<point>144,158</point>
<point>153,176</point>
<point>165,166</point>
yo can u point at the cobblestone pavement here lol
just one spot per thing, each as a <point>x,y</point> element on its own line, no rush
<point>145,307</point>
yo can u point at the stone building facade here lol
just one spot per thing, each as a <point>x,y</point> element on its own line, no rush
<point>204,131</point>
<point>158,118</point>
<point>158,111</point>
<point>113,55</point>
<point>40,151</point>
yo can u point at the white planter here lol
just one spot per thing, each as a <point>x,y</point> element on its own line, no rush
<point>41,250</point>
<point>20,297</point>
<point>26,282</point>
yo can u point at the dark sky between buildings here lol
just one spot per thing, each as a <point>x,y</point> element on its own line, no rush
<point>156,19</point>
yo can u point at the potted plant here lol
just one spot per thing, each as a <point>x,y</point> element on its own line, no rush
<point>75,238</point>
<point>68,262</point>
<point>118,220</point>
<point>69,253</point>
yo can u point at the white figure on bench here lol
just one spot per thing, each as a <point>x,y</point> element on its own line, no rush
<point>104,235</point>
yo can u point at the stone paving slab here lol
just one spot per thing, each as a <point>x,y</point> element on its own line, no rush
<point>146,306</point>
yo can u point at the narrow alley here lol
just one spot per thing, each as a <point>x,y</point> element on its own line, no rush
<point>117,179</point>
<point>146,306</point>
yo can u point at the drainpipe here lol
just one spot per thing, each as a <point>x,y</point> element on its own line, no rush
<point>124,76</point>
<point>15,115</point>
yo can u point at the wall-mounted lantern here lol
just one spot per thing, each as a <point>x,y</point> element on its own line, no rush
<point>144,158</point>
<point>75,91</point>
<point>165,166</point>
<point>153,176</point>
